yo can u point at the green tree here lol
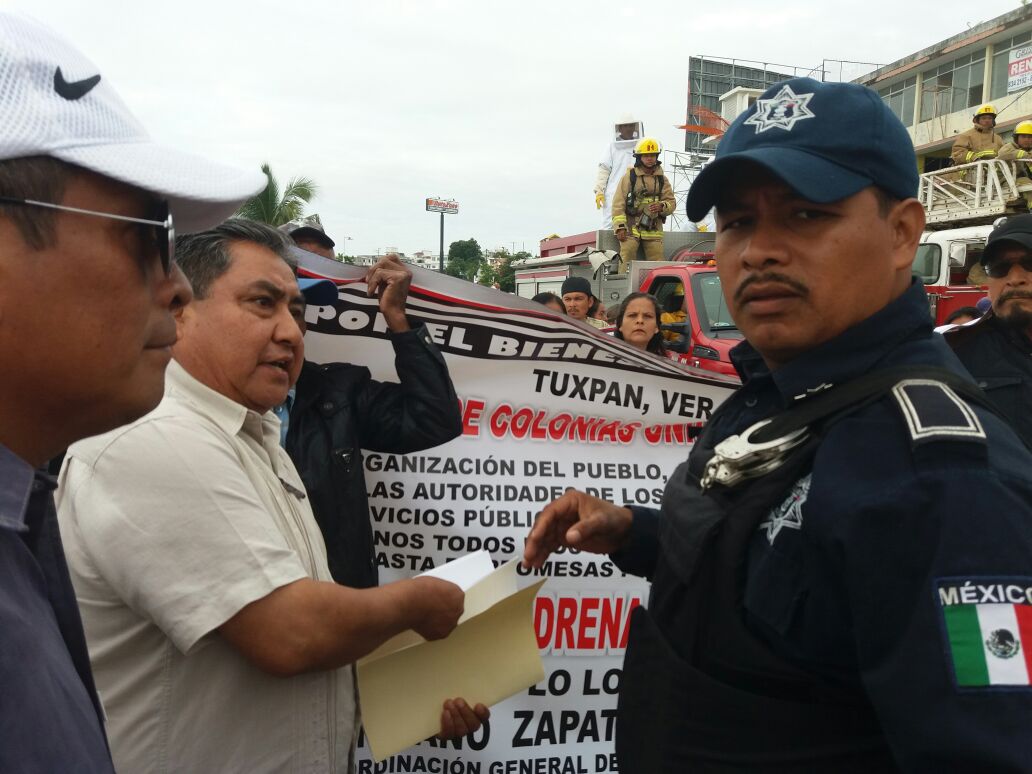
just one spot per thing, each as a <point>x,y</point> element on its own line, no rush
<point>464,259</point>
<point>502,271</point>
<point>276,208</point>
<point>505,274</point>
<point>488,275</point>
<point>345,258</point>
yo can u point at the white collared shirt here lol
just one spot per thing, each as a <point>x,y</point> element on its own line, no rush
<point>171,526</point>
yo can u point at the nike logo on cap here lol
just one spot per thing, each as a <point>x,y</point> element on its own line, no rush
<point>75,89</point>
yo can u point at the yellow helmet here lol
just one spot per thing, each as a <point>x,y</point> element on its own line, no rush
<point>647,146</point>
<point>985,110</point>
<point>1025,127</point>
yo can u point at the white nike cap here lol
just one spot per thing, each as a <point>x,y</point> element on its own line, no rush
<point>54,102</point>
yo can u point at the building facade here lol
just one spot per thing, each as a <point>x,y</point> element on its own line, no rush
<point>936,91</point>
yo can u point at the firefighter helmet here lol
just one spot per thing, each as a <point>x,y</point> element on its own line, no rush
<point>1025,127</point>
<point>985,110</point>
<point>647,146</point>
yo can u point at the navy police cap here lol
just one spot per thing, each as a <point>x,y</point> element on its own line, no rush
<point>827,141</point>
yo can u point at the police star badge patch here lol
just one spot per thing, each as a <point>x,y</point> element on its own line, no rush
<point>988,630</point>
<point>782,112</point>
<point>788,515</point>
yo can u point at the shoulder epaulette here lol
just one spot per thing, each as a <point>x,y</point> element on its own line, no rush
<point>934,412</point>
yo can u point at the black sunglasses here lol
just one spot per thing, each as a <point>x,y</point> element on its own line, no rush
<point>166,245</point>
<point>1000,269</point>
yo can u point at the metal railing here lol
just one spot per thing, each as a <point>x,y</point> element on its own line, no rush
<point>976,191</point>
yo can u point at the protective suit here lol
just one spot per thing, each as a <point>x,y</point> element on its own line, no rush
<point>1020,155</point>
<point>979,142</point>
<point>618,158</point>
<point>640,188</point>
<point>976,144</point>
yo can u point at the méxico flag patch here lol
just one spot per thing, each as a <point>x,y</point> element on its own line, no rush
<point>988,628</point>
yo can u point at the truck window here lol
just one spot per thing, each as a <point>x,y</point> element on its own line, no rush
<point>707,290</point>
<point>927,263</point>
<point>973,273</point>
<point>669,293</point>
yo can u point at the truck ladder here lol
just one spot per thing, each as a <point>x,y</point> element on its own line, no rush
<point>969,194</point>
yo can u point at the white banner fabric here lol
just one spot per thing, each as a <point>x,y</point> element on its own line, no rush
<point>547,403</point>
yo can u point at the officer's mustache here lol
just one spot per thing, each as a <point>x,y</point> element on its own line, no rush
<point>775,277</point>
<point>1013,294</point>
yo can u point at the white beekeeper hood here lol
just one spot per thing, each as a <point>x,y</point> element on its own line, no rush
<point>639,131</point>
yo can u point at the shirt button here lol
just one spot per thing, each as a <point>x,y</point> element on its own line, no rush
<point>327,406</point>
<point>750,402</point>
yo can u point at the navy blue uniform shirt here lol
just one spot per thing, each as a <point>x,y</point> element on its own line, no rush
<point>50,719</point>
<point>879,567</point>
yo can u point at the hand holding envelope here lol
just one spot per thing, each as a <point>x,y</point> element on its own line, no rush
<point>491,655</point>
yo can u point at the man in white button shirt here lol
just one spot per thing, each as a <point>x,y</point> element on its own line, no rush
<point>218,639</point>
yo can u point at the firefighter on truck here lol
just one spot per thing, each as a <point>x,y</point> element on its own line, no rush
<point>641,204</point>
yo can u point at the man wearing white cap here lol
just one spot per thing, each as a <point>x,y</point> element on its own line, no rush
<point>309,234</point>
<point>87,206</point>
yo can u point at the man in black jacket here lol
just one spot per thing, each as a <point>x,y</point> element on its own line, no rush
<point>339,409</point>
<point>997,350</point>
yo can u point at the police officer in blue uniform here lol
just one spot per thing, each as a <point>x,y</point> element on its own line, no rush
<point>997,349</point>
<point>842,570</point>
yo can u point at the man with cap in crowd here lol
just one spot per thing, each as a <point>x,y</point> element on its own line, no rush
<point>218,638</point>
<point>997,350</point>
<point>840,576</point>
<point>981,141</point>
<point>308,234</point>
<point>578,300</point>
<point>88,204</point>
<point>338,409</point>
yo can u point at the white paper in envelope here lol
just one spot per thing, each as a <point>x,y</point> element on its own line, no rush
<point>491,655</point>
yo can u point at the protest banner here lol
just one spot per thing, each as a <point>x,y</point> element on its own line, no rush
<point>547,403</point>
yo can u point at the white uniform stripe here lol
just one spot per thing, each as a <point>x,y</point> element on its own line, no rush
<point>1002,671</point>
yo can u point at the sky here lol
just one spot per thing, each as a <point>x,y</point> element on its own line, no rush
<point>505,107</point>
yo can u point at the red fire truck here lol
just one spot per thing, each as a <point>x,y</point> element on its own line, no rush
<point>686,284</point>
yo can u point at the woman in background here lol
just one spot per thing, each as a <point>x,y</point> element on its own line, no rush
<point>637,323</point>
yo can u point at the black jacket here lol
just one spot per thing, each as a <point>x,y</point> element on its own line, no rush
<point>916,505</point>
<point>1000,359</point>
<point>339,409</point>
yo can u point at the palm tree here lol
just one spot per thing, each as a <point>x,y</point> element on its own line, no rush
<point>272,208</point>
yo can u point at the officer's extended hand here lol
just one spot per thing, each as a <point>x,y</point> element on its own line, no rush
<point>621,234</point>
<point>437,606</point>
<point>459,719</point>
<point>600,199</point>
<point>576,520</point>
<point>390,278</point>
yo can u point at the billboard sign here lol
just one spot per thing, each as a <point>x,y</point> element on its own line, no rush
<point>442,205</point>
<point>1019,70</point>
